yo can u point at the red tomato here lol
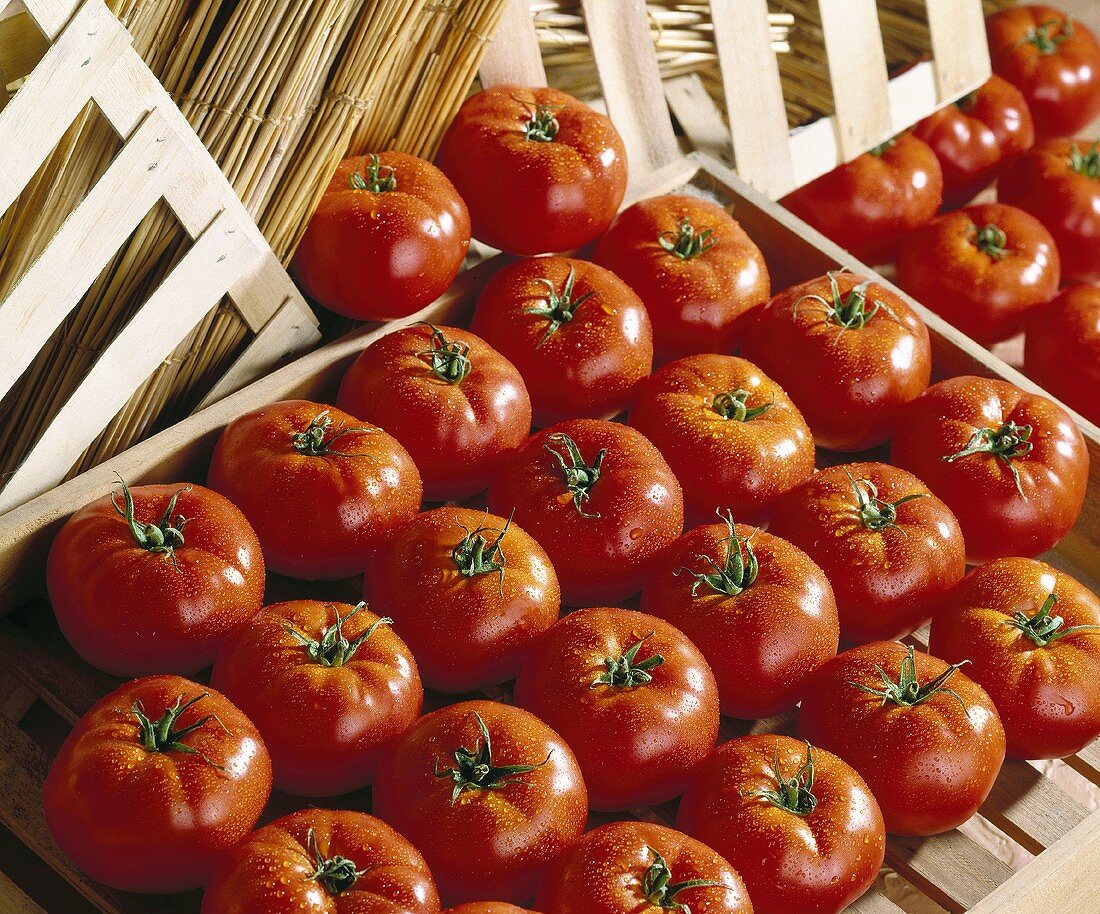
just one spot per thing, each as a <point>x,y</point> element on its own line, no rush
<point>595,675</point>
<point>1032,636</point>
<point>1011,465</point>
<point>731,435</point>
<point>1058,182</point>
<point>487,907</point>
<point>456,404</point>
<point>868,204</point>
<point>387,238</point>
<point>601,501</point>
<point>577,333</point>
<point>981,268</point>
<point>154,783</point>
<point>454,576</point>
<point>693,266</point>
<point>150,579</point>
<point>975,136</point>
<point>327,684</point>
<point>797,822</point>
<point>925,738</point>
<point>1053,60</point>
<point>324,861</point>
<point>540,170</point>
<point>759,609</point>
<point>848,351</point>
<point>628,867</point>
<point>890,548</point>
<point>322,488</point>
<point>489,780</point>
<point>1062,349</point>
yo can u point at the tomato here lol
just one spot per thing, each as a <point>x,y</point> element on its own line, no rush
<point>797,822</point>
<point>601,501</point>
<point>456,404</point>
<point>848,351</point>
<point>150,579</point>
<point>1062,349</point>
<point>975,136</point>
<point>487,907</point>
<point>1011,465</point>
<point>870,203</point>
<point>1053,60</point>
<point>324,861</point>
<point>761,611</point>
<point>454,576</point>
<point>486,784</point>
<point>599,672</point>
<point>731,435</point>
<point>540,170</point>
<point>628,867</point>
<point>1058,182</point>
<point>577,333</point>
<point>154,783</point>
<point>981,268</point>
<point>693,266</point>
<point>1032,636</point>
<point>322,488</point>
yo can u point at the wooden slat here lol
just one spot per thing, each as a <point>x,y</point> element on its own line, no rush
<point>950,868</point>
<point>512,57</point>
<point>699,116</point>
<point>960,56</point>
<point>13,900</point>
<point>1030,808</point>
<point>52,15</point>
<point>873,903</point>
<point>1087,762</point>
<point>22,46</point>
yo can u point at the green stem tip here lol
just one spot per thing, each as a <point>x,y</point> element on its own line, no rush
<point>626,671</point>
<point>317,439</point>
<point>687,242</point>
<point>906,691</point>
<point>560,307</point>
<point>1044,627</point>
<point>450,362</point>
<point>161,735</point>
<point>379,178</point>
<point>336,874</point>
<point>659,889</point>
<point>795,793</point>
<point>475,770</point>
<point>163,536</point>
<point>736,573</point>
<point>1007,442</point>
<point>333,647</point>
<point>579,477</point>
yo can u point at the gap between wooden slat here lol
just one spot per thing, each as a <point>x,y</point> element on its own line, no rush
<point>1030,808</point>
<point>950,868</point>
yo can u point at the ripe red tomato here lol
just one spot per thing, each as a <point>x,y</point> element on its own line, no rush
<point>761,611</point>
<point>487,779</point>
<point>324,861</point>
<point>732,436</point>
<point>322,488</point>
<point>154,783</point>
<point>150,579</point>
<point>453,576</point>
<point>387,238</point>
<point>1053,60</point>
<point>628,867</point>
<point>1058,182</point>
<point>487,907</point>
<point>693,266</point>
<point>975,136</point>
<point>925,738</point>
<point>981,268</point>
<point>601,501</point>
<point>868,204</point>
<point>1032,636</point>
<point>540,170</point>
<point>456,404</point>
<point>595,675</point>
<point>577,333</point>
<point>848,351</point>
<point>1011,465</point>
<point>327,684</point>
<point>1062,349</point>
<point>797,822</point>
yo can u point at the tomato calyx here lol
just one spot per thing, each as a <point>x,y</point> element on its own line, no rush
<point>450,362</point>
<point>542,124</point>
<point>380,179</point>
<point>162,736</point>
<point>1085,163</point>
<point>1043,628</point>
<point>336,874</point>
<point>876,513</point>
<point>474,768</point>
<point>1006,443</point>
<point>162,537</point>
<point>315,441</point>
<point>659,889</point>
<point>560,307</point>
<point>734,405</point>
<point>579,477</point>
<point>736,573</point>
<point>1047,36</point>
<point>626,671</point>
<point>795,793</point>
<point>476,555</point>
<point>907,691</point>
<point>332,648</point>
<point>687,242</point>
<point>990,240</point>
<point>847,312</point>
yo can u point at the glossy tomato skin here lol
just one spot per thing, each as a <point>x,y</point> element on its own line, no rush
<point>601,545</point>
<point>762,641</point>
<point>1047,692</point>
<point>457,432</point>
<point>274,870</point>
<point>997,518</point>
<point>605,873</point>
<point>156,821</point>
<point>849,381</point>
<point>567,683</point>
<point>495,614</point>
<point>1062,349</point>
<point>487,907</point>
<point>930,765</point>
<point>696,292</point>
<point>532,196</point>
<point>512,831</point>
<point>587,365</point>
<point>318,515</point>
<point>816,863</point>
<point>725,456</point>
<point>133,611</point>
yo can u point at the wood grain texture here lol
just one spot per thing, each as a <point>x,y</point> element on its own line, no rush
<point>14,901</point>
<point>960,55</point>
<point>950,868</point>
<point>512,57</point>
<point>1030,808</point>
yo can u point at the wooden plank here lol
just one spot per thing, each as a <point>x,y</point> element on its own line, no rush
<point>960,54</point>
<point>873,903</point>
<point>13,900</point>
<point>22,46</point>
<point>950,868</point>
<point>1087,762</point>
<point>1030,808</point>
<point>513,57</point>
<point>699,116</point>
<point>51,15</point>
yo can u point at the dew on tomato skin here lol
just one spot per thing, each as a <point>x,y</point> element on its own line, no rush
<point>635,533</point>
